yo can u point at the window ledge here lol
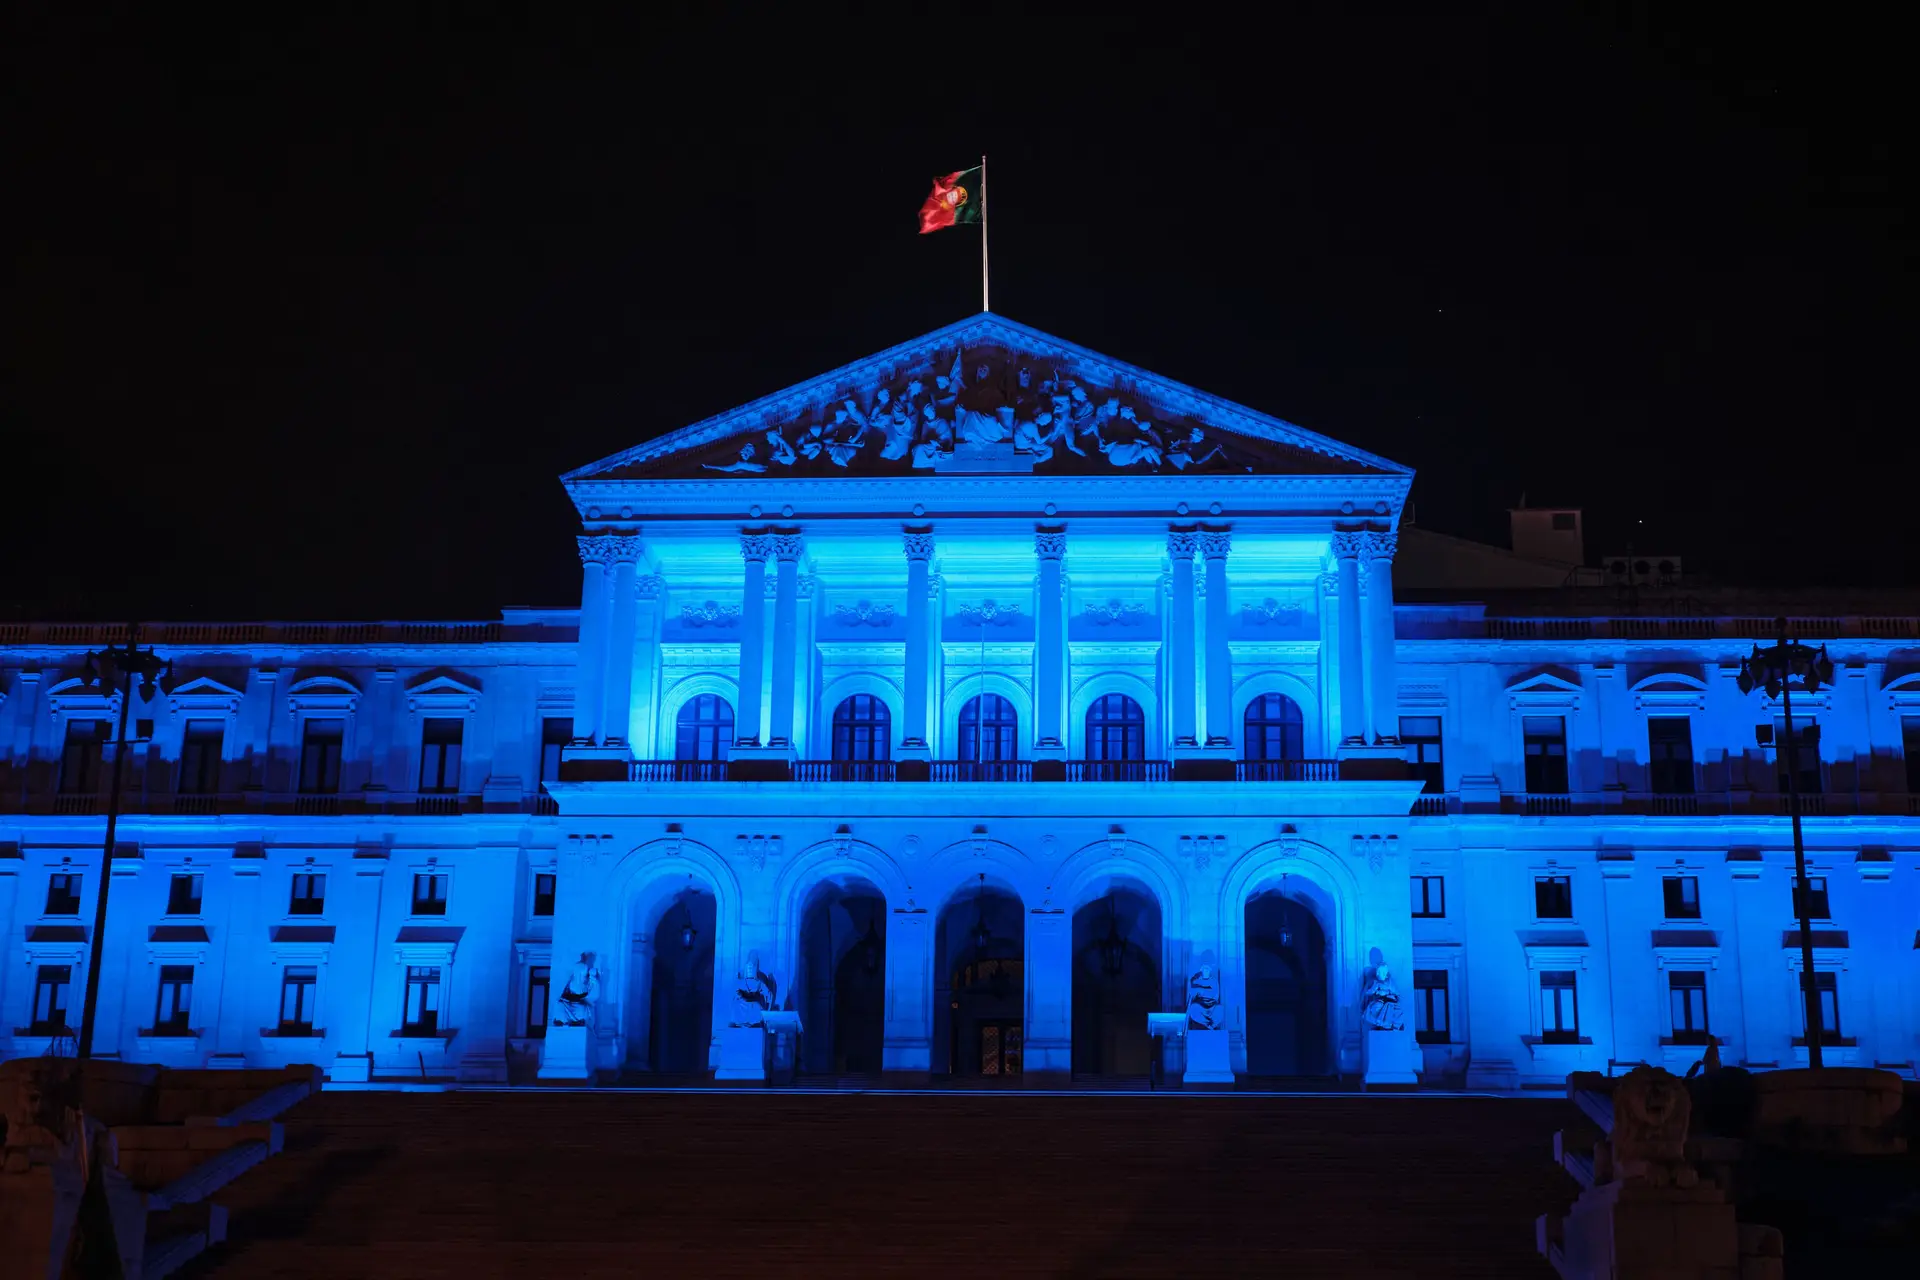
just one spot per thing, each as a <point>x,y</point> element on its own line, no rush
<point>1561,1054</point>
<point>1844,1054</point>
<point>273,1035</point>
<point>423,1037</point>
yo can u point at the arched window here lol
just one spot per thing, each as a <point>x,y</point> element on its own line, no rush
<point>1274,729</point>
<point>862,729</point>
<point>1116,729</point>
<point>704,728</point>
<point>989,730</point>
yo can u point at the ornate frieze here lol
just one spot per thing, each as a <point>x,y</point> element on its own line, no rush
<point>989,613</point>
<point>1202,850</point>
<point>1274,612</point>
<point>710,614</point>
<point>1115,612</point>
<point>651,586</point>
<point>864,613</point>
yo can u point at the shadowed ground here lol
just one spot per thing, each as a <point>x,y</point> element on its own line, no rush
<point>790,1184</point>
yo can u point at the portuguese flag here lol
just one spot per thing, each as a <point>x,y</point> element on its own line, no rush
<point>957,199</point>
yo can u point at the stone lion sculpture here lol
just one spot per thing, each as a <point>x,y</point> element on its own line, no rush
<point>1651,1110</point>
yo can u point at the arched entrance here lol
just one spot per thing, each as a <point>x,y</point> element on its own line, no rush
<point>680,994</point>
<point>1116,982</point>
<point>842,979</point>
<point>1286,992</point>
<point>980,984</point>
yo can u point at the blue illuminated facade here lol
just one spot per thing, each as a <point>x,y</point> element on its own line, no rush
<point>964,702</point>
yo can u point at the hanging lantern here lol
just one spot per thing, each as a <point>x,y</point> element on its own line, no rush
<point>1113,947</point>
<point>1286,915</point>
<point>982,936</point>
<point>687,935</point>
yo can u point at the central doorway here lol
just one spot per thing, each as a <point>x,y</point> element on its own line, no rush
<point>843,979</point>
<point>680,995</point>
<point>980,983</point>
<point>1286,967</point>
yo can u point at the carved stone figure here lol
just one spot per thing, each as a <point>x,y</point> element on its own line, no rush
<point>783,454</point>
<point>746,461</point>
<point>1192,450</point>
<point>1381,1006</point>
<point>1203,1000</point>
<point>1651,1109</point>
<point>752,993</point>
<point>580,994</point>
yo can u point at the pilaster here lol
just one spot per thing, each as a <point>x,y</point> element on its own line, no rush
<point>1181,544</point>
<point>1353,681</point>
<point>754,550</point>
<point>1049,1030</point>
<point>595,605</point>
<point>786,592</point>
<point>240,1016</point>
<point>907,1044</point>
<point>1378,547</point>
<point>351,1016</point>
<point>1050,653</point>
<point>918,544</point>
<point>616,716</point>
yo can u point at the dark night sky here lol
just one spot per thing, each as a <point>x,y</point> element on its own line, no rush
<point>303,323</point>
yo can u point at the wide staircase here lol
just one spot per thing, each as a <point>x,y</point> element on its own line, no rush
<point>775,1183</point>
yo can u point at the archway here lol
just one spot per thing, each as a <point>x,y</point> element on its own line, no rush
<point>842,979</point>
<point>680,993</point>
<point>980,984</point>
<point>1286,987</point>
<point>1116,982</point>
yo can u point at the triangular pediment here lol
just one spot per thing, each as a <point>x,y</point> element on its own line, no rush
<point>987,396</point>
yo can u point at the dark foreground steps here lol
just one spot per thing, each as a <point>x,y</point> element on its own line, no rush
<point>766,1183</point>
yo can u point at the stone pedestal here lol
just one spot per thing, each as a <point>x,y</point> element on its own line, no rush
<point>351,1068</point>
<point>566,1056</point>
<point>783,1046</point>
<point>1209,1065</point>
<point>743,1055</point>
<point>1393,1060</point>
<point>1635,1229</point>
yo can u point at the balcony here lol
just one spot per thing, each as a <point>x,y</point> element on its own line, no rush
<point>1004,771</point>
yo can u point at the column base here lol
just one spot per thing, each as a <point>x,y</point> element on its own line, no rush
<point>913,762</point>
<point>743,1056</point>
<point>566,1056</point>
<point>1212,763</point>
<point>1050,762</point>
<point>760,764</point>
<point>1209,1062</point>
<point>1366,762</point>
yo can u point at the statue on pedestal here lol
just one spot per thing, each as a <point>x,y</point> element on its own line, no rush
<point>1203,1000</point>
<point>580,994</point>
<point>1381,1006</point>
<point>753,994</point>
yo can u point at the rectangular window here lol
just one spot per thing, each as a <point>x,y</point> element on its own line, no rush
<point>555,733</point>
<point>320,744</point>
<point>430,895</point>
<point>1816,907</point>
<point>1559,1007</point>
<point>1682,895</point>
<point>1431,1017</point>
<point>200,757</point>
<point>298,986</point>
<point>80,757</point>
<point>1670,755</point>
<point>1429,896</point>
<point>183,894</point>
<point>539,983</point>
<point>309,895</point>
<point>1545,741</point>
<point>1910,748</point>
<point>51,984</point>
<point>1687,992</point>
<point>440,755</point>
<point>543,887</point>
<point>1553,897</point>
<point>1827,986</point>
<point>422,1014</point>
<point>63,894</point>
<point>1806,754</point>
<point>1420,737</point>
<point>175,1001</point>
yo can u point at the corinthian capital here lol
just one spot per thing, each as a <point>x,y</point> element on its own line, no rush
<point>1050,544</point>
<point>594,548</point>
<point>1213,543</point>
<point>918,543</point>
<point>1348,544</point>
<point>1181,544</point>
<point>756,546</point>
<point>786,546</point>
<point>1379,544</point>
<point>623,548</point>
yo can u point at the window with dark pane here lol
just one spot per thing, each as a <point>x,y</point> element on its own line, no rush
<point>440,741</point>
<point>1670,755</point>
<point>1682,897</point>
<point>1553,897</point>
<point>1431,1016</point>
<point>430,894</point>
<point>63,893</point>
<point>1544,739</point>
<point>1559,1006</point>
<point>1273,729</point>
<point>320,745</point>
<point>1687,993</point>
<point>989,729</point>
<point>81,756</point>
<point>200,757</point>
<point>170,1015</point>
<point>1420,739</point>
<point>309,894</point>
<point>183,893</point>
<point>1116,729</point>
<point>862,729</point>
<point>703,729</point>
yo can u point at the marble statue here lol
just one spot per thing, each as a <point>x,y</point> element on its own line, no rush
<point>1381,1005</point>
<point>783,454</point>
<point>1203,1000</point>
<point>580,994</point>
<point>1651,1111</point>
<point>752,993</point>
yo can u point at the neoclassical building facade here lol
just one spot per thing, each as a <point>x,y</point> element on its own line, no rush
<point>960,706</point>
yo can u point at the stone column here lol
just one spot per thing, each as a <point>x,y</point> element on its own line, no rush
<point>786,593</point>
<point>262,687</point>
<point>240,1019</point>
<point>1050,642</point>
<point>1353,679</point>
<point>594,605</point>
<point>1180,668</point>
<point>616,713</point>
<point>919,549</point>
<point>906,1053</point>
<point>1383,669</point>
<point>381,738</point>
<point>350,1014</point>
<point>754,549</point>
<point>111,1034</point>
<point>1213,546</point>
<point>1049,1029</point>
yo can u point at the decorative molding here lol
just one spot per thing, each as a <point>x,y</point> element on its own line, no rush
<point>756,546</point>
<point>650,586</point>
<point>1181,544</point>
<point>1116,611</point>
<point>787,546</point>
<point>623,548</point>
<point>918,544</point>
<point>1214,543</point>
<point>864,613</point>
<point>1347,543</point>
<point>1375,849</point>
<point>1050,544</point>
<point>1202,850</point>
<point>710,614</point>
<point>756,849</point>
<point>1286,613</point>
<point>594,548</point>
<point>1378,544</point>
<point>988,612</point>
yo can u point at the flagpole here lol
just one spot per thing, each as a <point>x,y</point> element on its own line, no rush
<point>986,298</point>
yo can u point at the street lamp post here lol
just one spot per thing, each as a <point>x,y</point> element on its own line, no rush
<point>1775,669</point>
<point>113,669</point>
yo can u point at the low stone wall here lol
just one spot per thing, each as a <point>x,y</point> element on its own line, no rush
<point>1835,1110</point>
